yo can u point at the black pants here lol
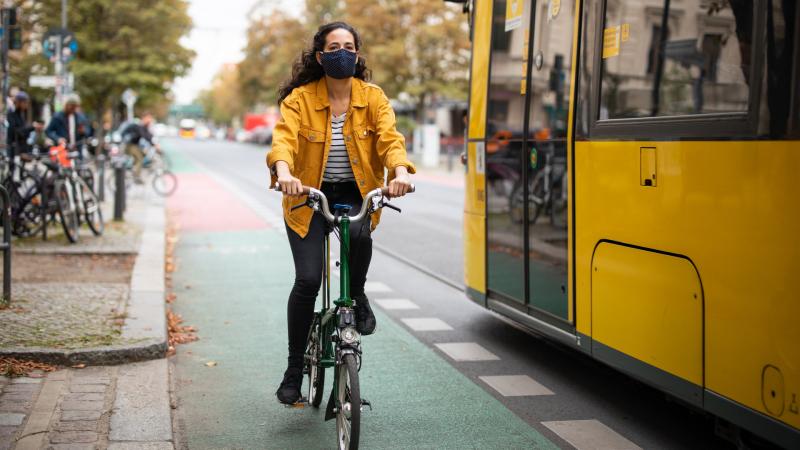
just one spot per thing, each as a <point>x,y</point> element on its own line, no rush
<point>308,255</point>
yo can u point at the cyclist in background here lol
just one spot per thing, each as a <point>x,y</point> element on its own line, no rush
<point>70,125</point>
<point>133,136</point>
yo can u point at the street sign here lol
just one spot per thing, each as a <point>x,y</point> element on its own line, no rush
<point>43,81</point>
<point>129,97</point>
<point>69,45</point>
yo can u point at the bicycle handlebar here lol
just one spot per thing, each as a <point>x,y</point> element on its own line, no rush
<point>316,194</point>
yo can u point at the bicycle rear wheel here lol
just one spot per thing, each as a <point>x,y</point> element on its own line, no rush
<point>316,373</point>
<point>67,210</point>
<point>348,403</point>
<point>165,183</point>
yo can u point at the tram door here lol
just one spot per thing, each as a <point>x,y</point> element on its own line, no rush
<point>527,186</point>
<point>505,150</point>
<point>548,178</point>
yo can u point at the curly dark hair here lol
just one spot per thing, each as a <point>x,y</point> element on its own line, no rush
<point>306,68</point>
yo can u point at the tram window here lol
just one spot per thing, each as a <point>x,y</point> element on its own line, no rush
<point>693,59</point>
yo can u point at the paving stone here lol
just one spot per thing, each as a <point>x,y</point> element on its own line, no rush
<point>11,419</point>
<point>85,396</point>
<point>20,407</point>
<point>7,437</point>
<point>71,447</point>
<point>22,388</point>
<point>81,406</point>
<point>67,416</point>
<point>92,380</point>
<point>77,425</point>
<point>88,387</point>
<point>25,396</point>
<point>140,446</point>
<point>58,375</point>
<point>26,380</point>
<point>73,437</point>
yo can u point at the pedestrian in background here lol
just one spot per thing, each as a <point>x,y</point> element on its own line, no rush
<point>338,133</point>
<point>69,125</point>
<point>18,127</point>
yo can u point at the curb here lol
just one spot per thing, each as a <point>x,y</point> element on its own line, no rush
<point>146,324</point>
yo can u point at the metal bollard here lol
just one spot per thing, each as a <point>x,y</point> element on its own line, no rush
<point>119,191</point>
<point>101,177</point>
<point>6,246</point>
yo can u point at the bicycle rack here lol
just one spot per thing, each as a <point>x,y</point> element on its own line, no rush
<point>6,245</point>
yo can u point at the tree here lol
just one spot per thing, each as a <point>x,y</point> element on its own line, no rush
<point>222,102</point>
<point>273,43</point>
<point>415,47</point>
<point>122,44</point>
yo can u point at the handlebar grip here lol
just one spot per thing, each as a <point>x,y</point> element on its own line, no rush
<point>385,189</point>
<point>277,188</point>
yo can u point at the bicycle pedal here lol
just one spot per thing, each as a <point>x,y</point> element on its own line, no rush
<point>365,402</point>
<point>300,404</point>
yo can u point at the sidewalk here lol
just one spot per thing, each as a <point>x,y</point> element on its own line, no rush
<point>84,307</point>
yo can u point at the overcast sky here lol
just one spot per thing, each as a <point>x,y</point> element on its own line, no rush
<point>218,38</point>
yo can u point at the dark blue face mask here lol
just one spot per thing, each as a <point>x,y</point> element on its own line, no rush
<point>339,64</point>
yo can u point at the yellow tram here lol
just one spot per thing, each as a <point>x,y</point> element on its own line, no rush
<point>632,191</point>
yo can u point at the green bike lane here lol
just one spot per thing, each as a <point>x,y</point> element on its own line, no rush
<point>232,278</point>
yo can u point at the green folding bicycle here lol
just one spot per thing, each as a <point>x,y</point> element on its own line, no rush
<point>333,340</point>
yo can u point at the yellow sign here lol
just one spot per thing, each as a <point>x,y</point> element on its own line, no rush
<point>513,14</point>
<point>626,31</point>
<point>555,8</point>
<point>611,38</point>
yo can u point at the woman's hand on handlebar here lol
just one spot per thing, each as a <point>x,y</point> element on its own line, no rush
<point>401,184</point>
<point>290,185</point>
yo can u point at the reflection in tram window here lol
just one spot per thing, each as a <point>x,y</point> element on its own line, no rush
<point>693,59</point>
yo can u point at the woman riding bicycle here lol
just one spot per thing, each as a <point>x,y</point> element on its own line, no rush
<point>337,133</point>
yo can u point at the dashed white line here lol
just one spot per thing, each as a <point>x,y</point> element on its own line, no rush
<point>376,286</point>
<point>467,351</point>
<point>426,324</point>
<point>396,303</point>
<point>590,435</point>
<point>515,385</point>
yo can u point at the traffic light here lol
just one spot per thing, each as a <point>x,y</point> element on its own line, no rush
<point>9,20</point>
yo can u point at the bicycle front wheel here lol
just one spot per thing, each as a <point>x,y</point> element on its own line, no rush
<point>165,183</point>
<point>348,402</point>
<point>316,373</point>
<point>67,210</point>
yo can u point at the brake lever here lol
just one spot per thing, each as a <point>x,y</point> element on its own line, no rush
<point>390,206</point>
<point>299,206</point>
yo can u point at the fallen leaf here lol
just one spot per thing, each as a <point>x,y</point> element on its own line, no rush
<point>79,366</point>
<point>211,364</point>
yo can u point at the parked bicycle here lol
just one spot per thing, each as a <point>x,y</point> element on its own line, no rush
<point>333,340</point>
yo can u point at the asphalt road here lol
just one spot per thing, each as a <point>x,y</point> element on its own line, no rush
<point>577,403</point>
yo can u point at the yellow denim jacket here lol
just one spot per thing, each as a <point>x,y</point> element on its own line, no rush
<point>302,138</point>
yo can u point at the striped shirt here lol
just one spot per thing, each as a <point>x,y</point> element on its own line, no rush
<point>338,168</point>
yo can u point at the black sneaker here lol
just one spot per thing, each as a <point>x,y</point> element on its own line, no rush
<point>365,319</point>
<point>289,391</point>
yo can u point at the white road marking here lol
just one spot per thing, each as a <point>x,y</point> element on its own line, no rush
<point>396,303</point>
<point>376,286</point>
<point>426,324</point>
<point>515,385</point>
<point>467,351</point>
<point>590,435</point>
